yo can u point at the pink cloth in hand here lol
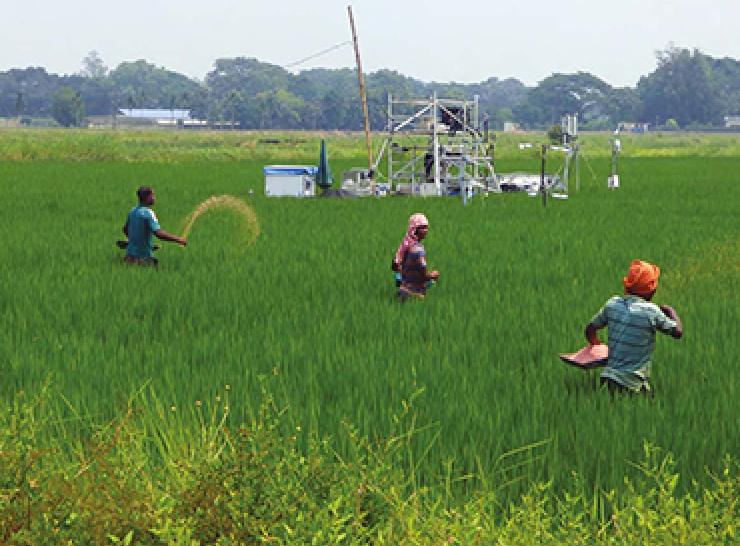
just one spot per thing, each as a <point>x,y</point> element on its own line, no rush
<point>591,356</point>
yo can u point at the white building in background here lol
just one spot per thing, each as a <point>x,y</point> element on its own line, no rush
<point>511,127</point>
<point>632,127</point>
<point>732,122</point>
<point>157,116</point>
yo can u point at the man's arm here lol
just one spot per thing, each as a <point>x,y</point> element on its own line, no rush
<point>164,236</point>
<point>670,312</point>
<point>160,233</point>
<point>125,228</point>
<point>590,333</point>
<point>598,322</point>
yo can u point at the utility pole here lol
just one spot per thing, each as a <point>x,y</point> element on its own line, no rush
<point>543,190</point>
<point>363,98</point>
<point>19,103</point>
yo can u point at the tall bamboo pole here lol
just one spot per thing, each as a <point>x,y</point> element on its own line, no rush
<point>361,82</point>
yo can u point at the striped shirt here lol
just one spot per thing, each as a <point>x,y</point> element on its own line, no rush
<point>632,324</point>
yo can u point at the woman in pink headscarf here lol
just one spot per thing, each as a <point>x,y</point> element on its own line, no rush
<point>409,263</point>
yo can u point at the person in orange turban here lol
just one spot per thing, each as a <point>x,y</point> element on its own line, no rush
<point>632,320</point>
<point>641,279</point>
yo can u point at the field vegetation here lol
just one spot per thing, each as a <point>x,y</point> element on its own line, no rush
<point>345,147</point>
<point>274,391</point>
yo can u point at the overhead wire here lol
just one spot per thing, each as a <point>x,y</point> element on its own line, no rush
<point>319,54</point>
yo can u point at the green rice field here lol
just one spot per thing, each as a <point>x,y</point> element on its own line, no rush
<point>307,313</point>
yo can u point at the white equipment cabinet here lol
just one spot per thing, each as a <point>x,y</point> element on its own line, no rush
<point>290,180</point>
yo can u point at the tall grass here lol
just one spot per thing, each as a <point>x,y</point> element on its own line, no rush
<point>150,478</point>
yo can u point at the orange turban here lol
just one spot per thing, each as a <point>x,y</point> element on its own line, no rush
<point>642,278</point>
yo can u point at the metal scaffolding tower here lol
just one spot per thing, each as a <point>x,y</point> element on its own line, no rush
<point>436,147</point>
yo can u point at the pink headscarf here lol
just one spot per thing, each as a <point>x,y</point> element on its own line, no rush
<point>416,220</point>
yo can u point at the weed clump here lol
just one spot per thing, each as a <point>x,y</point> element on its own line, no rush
<point>253,485</point>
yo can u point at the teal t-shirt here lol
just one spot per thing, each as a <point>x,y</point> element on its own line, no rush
<point>632,324</point>
<point>142,223</point>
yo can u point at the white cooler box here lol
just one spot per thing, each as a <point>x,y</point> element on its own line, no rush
<point>290,180</point>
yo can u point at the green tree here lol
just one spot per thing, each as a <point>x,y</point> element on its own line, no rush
<point>333,107</point>
<point>36,86</point>
<point>726,81</point>
<point>681,88</point>
<point>153,87</point>
<point>495,94</point>
<point>250,78</point>
<point>623,104</point>
<point>690,87</point>
<point>581,93</point>
<point>67,107</point>
<point>279,109</point>
<point>232,102</point>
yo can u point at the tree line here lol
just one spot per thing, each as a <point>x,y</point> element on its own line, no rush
<point>687,88</point>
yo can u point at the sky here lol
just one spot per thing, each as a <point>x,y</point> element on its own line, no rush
<point>430,40</point>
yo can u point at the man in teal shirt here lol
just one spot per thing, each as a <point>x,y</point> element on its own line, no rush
<point>141,224</point>
<point>632,321</point>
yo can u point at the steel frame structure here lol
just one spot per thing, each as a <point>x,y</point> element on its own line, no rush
<point>431,157</point>
<point>569,126</point>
